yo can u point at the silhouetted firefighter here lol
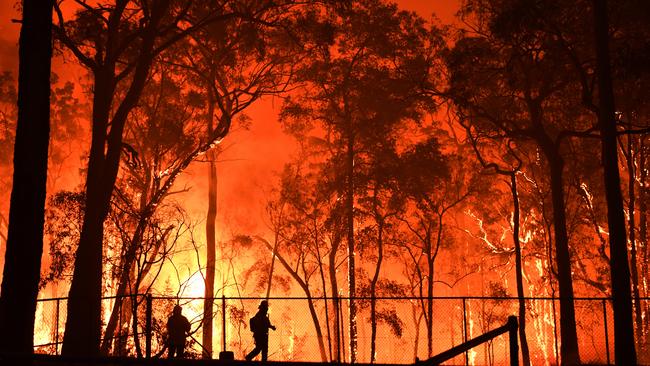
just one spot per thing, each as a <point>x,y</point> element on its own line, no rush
<point>177,328</point>
<point>260,325</point>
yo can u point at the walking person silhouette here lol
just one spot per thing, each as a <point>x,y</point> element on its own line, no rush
<point>177,329</point>
<point>260,325</point>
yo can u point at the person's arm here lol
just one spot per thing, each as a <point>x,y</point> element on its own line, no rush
<point>268,321</point>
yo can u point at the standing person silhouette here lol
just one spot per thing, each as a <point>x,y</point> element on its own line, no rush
<point>260,325</point>
<point>177,329</point>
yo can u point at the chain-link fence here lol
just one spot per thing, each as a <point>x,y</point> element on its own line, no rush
<point>398,331</point>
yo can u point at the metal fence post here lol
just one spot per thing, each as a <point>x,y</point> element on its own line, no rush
<point>223,320</point>
<point>514,344</point>
<point>148,326</point>
<point>56,331</point>
<point>606,335</point>
<point>465,328</point>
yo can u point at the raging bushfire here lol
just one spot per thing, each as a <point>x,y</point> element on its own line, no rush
<point>386,180</point>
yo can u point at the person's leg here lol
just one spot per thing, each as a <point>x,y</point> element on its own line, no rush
<point>180,350</point>
<point>171,351</point>
<point>253,353</point>
<point>265,348</point>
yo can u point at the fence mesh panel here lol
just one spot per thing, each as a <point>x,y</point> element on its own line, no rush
<point>46,327</point>
<point>318,329</point>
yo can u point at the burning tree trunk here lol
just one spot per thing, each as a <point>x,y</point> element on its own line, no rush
<point>624,351</point>
<point>643,231</point>
<point>26,216</point>
<point>630,158</point>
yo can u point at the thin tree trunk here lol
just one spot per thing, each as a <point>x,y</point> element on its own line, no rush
<point>373,290</point>
<point>120,339</point>
<point>352,283</point>
<point>319,332</point>
<point>134,326</point>
<point>624,351</point>
<point>525,353</point>
<point>210,234</point>
<point>310,301</point>
<point>569,345</point>
<point>335,297</point>
<point>124,280</point>
<point>125,315</point>
<point>342,333</point>
<point>324,284</point>
<point>431,259</point>
<point>429,317</point>
<point>24,249</point>
<point>269,283</point>
<point>125,274</point>
<point>417,320</point>
<point>643,232</point>
<point>630,159</point>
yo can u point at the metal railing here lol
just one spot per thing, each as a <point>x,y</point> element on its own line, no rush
<point>510,327</point>
<point>401,328</point>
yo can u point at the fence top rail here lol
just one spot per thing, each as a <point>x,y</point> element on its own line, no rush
<point>103,297</point>
<point>347,298</point>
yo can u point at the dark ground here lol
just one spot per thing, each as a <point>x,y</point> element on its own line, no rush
<point>48,360</point>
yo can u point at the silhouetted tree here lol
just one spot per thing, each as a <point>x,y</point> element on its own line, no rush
<point>360,81</point>
<point>624,351</point>
<point>112,54</point>
<point>233,73</point>
<point>379,205</point>
<point>515,166</point>
<point>518,103</point>
<point>118,43</point>
<point>435,184</point>
<point>22,263</point>
<point>301,230</point>
<point>161,142</point>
